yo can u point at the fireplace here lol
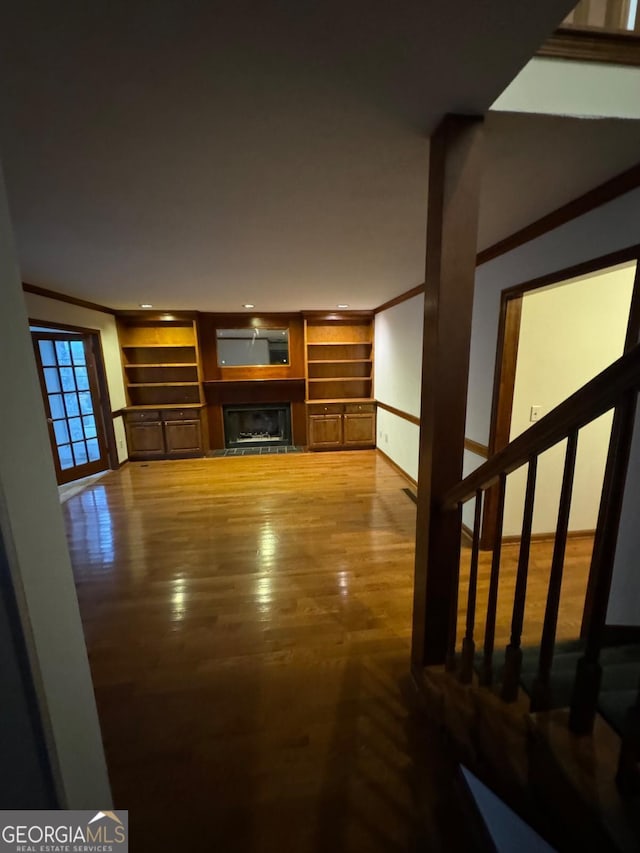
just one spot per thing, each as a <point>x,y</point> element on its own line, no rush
<point>257,425</point>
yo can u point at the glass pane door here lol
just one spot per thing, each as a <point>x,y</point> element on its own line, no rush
<point>67,376</point>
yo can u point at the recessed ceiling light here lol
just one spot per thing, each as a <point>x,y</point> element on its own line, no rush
<point>342,305</point>
<point>248,305</point>
<point>146,305</point>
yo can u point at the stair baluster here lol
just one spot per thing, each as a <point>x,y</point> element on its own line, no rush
<point>450,662</point>
<point>541,692</point>
<point>468,644</point>
<point>586,686</point>
<point>486,673</point>
<point>513,654</point>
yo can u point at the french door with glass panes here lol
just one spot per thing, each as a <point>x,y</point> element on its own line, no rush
<point>70,391</point>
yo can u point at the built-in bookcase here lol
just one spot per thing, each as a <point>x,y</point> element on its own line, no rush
<point>160,361</point>
<point>339,381</point>
<point>339,359</point>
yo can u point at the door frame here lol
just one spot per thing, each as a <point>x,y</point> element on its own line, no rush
<point>507,355</point>
<point>104,410</point>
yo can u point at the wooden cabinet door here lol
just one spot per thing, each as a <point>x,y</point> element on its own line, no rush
<point>360,428</point>
<point>183,437</point>
<point>145,439</point>
<point>325,431</point>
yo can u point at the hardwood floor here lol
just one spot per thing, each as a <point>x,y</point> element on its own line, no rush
<point>248,624</point>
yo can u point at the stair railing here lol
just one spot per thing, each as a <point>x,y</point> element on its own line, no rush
<point>615,388</point>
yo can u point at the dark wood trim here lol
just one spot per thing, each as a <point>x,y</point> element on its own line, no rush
<point>144,315</point>
<point>118,413</point>
<point>63,297</point>
<point>601,263</point>
<point>455,166</point>
<point>602,194</point>
<point>620,635</point>
<point>409,294</point>
<point>105,400</point>
<point>399,413</point>
<point>504,382</point>
<point>337,316</point>
<point>397,468</point>
<point>63,327</point>
<point>592,45</point>
<point>477,448</point>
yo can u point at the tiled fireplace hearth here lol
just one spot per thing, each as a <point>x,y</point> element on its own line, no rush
<point>257,425</point>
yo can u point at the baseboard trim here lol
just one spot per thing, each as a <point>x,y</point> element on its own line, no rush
<point>477,448</point>
<point>549,537</point>
<point>397,468</point>
<point>467,535</point>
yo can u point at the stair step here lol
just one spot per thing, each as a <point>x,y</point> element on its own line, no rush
<point>620,677</point>
<point>614,705</point>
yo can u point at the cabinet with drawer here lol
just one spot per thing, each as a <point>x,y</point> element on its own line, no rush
<point>338,426</point>
<point>164,433</point>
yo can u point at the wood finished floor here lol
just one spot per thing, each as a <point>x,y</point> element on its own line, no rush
<point>248,625</point>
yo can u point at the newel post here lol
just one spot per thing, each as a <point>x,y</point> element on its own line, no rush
<point>454,195</point>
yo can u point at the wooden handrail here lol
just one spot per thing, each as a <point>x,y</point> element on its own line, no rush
<point>592,400</point>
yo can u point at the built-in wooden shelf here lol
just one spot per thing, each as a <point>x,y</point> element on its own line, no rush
<point>163,406</point>
<point>339,370</point>
<point>161,367</point>
<point>250,381</point>
<point>338,343</point>
<point>320,400</point>
<point>341,379</point>
<point>134,366</point>
<point>154,345</point>
<point>338,360</point>
<point>161,384</point>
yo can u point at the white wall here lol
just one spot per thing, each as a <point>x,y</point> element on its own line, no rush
<point>398,379</point>
<point>608,228</point>
<point>585,89</point>
<point>569,333</point>
<point>54,311</point>
<point>35,541</point>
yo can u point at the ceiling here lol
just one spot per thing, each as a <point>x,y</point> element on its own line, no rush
<point>200,155</point>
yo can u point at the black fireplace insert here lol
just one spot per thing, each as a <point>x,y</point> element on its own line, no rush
<point>257,425</point>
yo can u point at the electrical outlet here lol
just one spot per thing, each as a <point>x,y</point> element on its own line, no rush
<point>121,444</point>
<point>386,438</point>
<point>535,414</point>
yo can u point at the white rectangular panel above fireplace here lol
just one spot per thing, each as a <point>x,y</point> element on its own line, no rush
<point>257,424</point>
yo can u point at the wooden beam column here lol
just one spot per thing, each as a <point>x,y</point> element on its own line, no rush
<point>454,193</point>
